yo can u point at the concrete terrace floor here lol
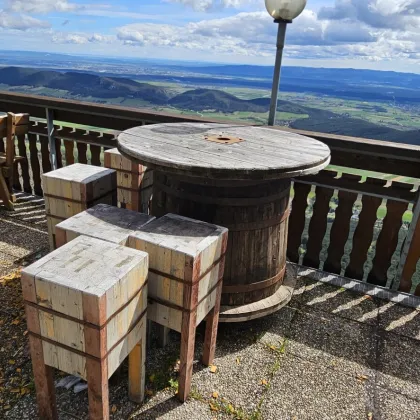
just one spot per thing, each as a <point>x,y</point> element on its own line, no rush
<point>330,354</point>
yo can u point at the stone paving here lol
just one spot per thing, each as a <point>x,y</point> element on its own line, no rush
<point>329,354</point>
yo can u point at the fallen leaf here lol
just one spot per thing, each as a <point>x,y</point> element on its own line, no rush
<point>213,407</point>
<point>230,408</point>
<point>215,394</point>
<point>12,362</point>
<point>149,392</point>
<point>362,377</point>
<point>15,390</point>
<point>213,369</point>
<point>368,297</point>
<point>238,360</point>
<point>152,378</point>
<point>370,416</point>
<point>18,370</point>
<point>264,382</point>
<point>16,322</point>
<point>113,408</point>
<point>6,407</point>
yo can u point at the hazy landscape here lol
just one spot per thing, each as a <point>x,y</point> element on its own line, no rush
<point>361,103</point>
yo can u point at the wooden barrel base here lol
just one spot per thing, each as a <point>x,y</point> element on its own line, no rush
<point>264,307</point>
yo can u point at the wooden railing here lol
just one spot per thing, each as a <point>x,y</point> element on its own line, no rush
<point>359,225</point>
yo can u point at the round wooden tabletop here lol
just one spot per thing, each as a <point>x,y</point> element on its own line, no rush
<point>223,151</point>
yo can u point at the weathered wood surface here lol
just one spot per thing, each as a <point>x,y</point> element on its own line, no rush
<point>134,181</point>
<point>186,261</point>
<point>102,221</point>
<point>73,189</point>
<point>363,235</point>
<point>86,303</point>
<point>256,215</point>
<point>387,242</point>
<point>297,220</point>
<point>340,228</point>
<point>186,149</point>
<point>317,226</point>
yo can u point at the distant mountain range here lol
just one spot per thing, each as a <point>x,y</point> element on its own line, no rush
<point>84,84</point>
<point>107,87</point>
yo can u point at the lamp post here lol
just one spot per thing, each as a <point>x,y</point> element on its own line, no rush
<point>283,12</point>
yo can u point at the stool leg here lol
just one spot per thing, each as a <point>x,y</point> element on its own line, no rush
<point>44,381</point>
<point>136,372</point>
<point>187,353</point>
<point>212,322</point>
<point>97,380</point>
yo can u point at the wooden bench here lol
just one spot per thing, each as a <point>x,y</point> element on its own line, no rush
<point>102,221</point>
<point>134,181</point>
<point>85,309</point>
<point>186,262</point>
<point>75,188</point>
<point>11,125</point>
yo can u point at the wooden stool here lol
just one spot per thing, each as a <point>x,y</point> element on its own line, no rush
<point>186,262</point>
<point>104,222</point>
<point>85,309</point>
<point>74,188</point>
<point>134,181</point>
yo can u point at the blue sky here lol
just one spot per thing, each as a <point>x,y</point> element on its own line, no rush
<point>379,34</point>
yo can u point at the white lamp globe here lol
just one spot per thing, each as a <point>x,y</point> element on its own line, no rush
<point>285,9</point>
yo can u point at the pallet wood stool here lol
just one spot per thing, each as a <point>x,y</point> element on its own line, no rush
<point>134,181</point>
<point>11,125</point>
<point>102,221</point>
<point>186,262</point>
<point>75,188</point>
<point>86,311</point>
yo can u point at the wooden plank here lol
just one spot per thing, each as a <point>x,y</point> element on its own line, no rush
<point>69,152</point>
<point>297,220</point>
<point>317,226</point>
<point>44,381</point>
<point>394,190</point>
<point>24,166</point>
<point>45,155</point>
<point>136,371</point>
<point>59,158</point>
<point>95,155</point>
<point>363,235</point>
<point>387,242</point>
<point>410,253</point>
<point>97,379</point>
<point>185,148</point>
<point>340,228</point>
<point>81,153</point>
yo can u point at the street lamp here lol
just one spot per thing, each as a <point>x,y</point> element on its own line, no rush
<point>283,12</point>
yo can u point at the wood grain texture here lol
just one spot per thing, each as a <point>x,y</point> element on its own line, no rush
<point>317,226</point>
<point>97,379</point>
<point>69,152</point>
<point>297,220</point>
<point>387,242</point>
<point>255,214</point>
<point>340,229</point>
<point>363,236</point>
<point>183,148</point>
<point>35,167</point>
<point>44,381</point>
<point>104,222</point>
<point>24,165</point>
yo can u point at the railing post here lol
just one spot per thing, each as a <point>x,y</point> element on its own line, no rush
<point>51,139</point>
<point>411,250</point>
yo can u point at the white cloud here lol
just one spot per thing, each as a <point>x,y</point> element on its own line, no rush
<point>206,5</point>
<point>20,22</point>
<point>80,38</point>
<point>41,6</point>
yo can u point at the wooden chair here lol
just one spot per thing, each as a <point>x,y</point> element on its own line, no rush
<point>10,126</point>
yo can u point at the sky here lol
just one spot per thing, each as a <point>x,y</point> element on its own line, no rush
<point>374,34</point>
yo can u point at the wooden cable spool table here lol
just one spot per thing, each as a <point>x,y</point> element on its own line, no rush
<point>234,176</point>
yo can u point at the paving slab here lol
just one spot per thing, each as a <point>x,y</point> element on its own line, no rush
<point>398,365</point>
<point>319,296</point>
<point>400,319</point>
<point>303,390</point>
<point>338,343</point>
